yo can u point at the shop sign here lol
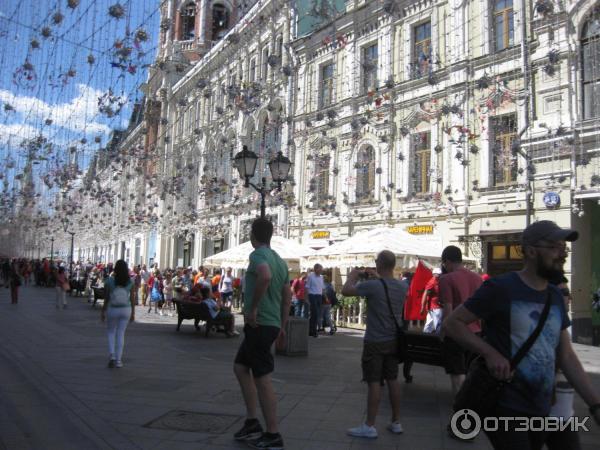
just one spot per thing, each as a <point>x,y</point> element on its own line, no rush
<point>551,200</point>
<point>320,234</point>
<point>420,229</point>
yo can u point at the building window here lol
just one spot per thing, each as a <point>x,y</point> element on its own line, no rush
<point>268,144</point>
<point>370,61</point>
<point>590,60</point>
<point>279,48</point>
<point>365,174</point>
<point>252,74</point>
<point>265,63</point>
<point>503,24</point>
<point>322,180</point>
<point>180,123</point>
<point>421,61</point>
<point>188,22</point>
<point>220,21</point>
<point>506,252</point>
<point>503,131</point>
<point>422,162</point>
<point>326,97</point>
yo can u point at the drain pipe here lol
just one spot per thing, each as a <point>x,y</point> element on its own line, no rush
<point>527,110</point>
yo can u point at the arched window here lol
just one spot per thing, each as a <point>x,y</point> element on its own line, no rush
<point>421,157</point>
<point>220,21</point>
<point>322,180</point>
<point>590,60</point>
<point>365,174</point>
<point>503,132</point>
<point>188,22</point>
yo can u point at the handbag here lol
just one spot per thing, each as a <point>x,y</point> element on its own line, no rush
<point>400,336</point>
<point>481,391</point>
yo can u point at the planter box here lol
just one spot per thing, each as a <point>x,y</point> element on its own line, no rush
<point>295,342</point>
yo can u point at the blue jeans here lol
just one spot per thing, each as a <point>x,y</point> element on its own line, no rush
<point>325,318</point>
<point>315,312</point>
<point>300,308</point>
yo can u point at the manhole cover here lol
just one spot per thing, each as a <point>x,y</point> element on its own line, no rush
<point>194,421</point>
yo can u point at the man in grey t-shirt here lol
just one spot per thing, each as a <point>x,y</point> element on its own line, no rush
<point>379,359</point>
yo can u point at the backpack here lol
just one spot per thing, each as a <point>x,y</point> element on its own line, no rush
<point>331,295</point>
<point>119,297</point>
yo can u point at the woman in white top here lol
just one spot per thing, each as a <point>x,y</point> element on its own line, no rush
<point>226,288</point>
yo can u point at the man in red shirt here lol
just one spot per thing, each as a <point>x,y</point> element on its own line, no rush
<point>456,286</point>
<point>300,301</point>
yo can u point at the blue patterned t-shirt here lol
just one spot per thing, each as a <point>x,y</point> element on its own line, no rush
<point>510,311</point>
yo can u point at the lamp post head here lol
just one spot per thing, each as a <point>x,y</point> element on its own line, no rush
<point>245,163</point>
<point>280,168</point>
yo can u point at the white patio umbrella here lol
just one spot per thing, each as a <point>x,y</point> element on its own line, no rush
<point>362,248</point>
<point>237,257</point>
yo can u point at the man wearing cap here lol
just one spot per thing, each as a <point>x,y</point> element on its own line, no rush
<point>430,304</point>
<point>510,306</point>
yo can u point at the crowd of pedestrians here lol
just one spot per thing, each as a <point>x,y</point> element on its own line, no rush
<point>513,327</point>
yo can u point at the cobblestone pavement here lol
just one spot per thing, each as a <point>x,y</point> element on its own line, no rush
<point>57,393</point>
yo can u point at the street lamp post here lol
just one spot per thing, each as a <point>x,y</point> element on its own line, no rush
<point>72,233</point>
<point>245,163</point>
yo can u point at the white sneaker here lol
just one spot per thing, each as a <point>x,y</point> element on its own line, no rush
<point>119,364</point>
<point>396,428</point>
<point>364,431</point>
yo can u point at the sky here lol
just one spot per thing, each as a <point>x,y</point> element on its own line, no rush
<point>71,71</point>
<point>70,74</point>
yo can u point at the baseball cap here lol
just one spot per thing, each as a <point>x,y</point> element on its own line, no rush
<point>546,230</point>
<point>436,271</point>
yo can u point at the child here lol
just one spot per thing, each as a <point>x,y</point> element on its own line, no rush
<point>155,292</point>
<point>168,292</point>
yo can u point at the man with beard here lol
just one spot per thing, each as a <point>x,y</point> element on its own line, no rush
<point>510,307</point>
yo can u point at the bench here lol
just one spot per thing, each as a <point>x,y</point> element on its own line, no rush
<point>78,286</point>
<point>422,348</point>
<point>98,295</point>
<point>197,311</point>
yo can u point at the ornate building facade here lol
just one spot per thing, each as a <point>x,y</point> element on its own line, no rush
<point>463,119</point>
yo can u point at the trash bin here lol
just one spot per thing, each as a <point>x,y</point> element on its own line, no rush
<point>295,342</point>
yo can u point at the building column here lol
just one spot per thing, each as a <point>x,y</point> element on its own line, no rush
<point>202,24</point>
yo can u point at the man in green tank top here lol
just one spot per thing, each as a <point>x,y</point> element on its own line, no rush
<point>267,297</point>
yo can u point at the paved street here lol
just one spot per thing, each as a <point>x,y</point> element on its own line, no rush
<point>56,392</point>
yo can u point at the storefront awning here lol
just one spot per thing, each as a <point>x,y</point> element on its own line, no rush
<point>361,249</point>
<point>237,257</point>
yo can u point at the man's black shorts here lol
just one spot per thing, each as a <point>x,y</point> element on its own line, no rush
<point>379,361</point>
<point>456,358</point>
<point>255,349</point>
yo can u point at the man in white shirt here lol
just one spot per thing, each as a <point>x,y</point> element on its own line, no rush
<point>314,288</point>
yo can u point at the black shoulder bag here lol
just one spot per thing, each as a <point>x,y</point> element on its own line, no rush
<point>481,391</point>
<point>400,336</point>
